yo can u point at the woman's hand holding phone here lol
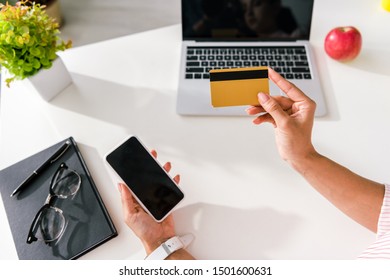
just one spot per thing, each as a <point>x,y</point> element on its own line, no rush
<point>150,232</point>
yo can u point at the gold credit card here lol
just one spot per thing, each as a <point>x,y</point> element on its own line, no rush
<point>238,86</point>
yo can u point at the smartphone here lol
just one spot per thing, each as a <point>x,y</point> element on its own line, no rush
<point>147,180</point>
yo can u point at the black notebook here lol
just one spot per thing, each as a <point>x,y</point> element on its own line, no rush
<point>88,223</point>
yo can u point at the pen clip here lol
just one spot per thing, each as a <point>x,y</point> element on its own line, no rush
<point>67,147</point>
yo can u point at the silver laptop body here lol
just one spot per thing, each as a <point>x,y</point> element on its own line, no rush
<point>210,34</point>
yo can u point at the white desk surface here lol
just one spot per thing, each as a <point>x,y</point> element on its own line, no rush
<point>242,201</point>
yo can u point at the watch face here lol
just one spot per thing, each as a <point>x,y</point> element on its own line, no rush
<point>173,244</point>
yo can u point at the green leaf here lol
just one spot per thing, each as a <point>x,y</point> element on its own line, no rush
<point>27,67</point>
<point>36,64</point>
<point>24,29</point>
<point>35,52</point>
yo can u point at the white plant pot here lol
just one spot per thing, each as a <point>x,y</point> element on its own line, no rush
<point>48,83</point>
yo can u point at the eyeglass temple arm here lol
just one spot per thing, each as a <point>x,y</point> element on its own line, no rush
<point>33,228</point>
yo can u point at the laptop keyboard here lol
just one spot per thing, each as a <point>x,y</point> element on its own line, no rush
<point>290,62</point>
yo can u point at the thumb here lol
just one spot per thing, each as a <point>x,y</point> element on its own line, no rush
<point>272,107</point>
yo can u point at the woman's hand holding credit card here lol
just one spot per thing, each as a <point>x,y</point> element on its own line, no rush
<point>238,86</point>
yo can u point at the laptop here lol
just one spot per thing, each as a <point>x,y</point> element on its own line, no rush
<point>245,33</point>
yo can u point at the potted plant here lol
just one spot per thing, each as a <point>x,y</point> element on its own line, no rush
<point>29,43</point>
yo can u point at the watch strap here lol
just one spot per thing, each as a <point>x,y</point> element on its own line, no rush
<point>171,245</point>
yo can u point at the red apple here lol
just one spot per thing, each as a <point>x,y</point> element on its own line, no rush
<point>343,43</point>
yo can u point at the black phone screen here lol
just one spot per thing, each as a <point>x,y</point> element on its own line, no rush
<point>145,177</point>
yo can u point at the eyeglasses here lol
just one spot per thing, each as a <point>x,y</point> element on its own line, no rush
<point>49,223</point>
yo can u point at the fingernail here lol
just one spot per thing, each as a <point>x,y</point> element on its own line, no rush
<point>256,121</point>
<point>263,97</point>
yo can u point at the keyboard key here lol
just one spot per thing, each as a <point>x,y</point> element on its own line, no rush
<point>301,63</point>
<point>300,69</point>
<point>193,63</point>
<point>298,76</point>
<point>195,70</point>
<point>192,57</point>
<point>189,76</point>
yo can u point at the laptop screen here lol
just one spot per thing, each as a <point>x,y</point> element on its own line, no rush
<point>236,20</point>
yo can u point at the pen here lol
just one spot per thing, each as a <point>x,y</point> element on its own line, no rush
<point>35,173</point>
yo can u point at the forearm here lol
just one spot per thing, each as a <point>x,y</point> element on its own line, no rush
<point>359,198</point>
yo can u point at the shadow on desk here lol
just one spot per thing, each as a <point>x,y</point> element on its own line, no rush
<point>227,233</point>
<point>114,103</point>
<point>373,60</point>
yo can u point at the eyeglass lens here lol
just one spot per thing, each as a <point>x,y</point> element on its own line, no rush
<point>51,224</point>
<point>66,182</point>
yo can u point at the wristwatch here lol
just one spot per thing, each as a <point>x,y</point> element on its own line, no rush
<point>171,245</point>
